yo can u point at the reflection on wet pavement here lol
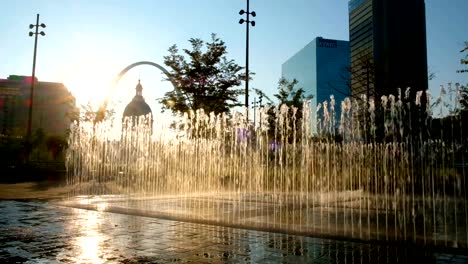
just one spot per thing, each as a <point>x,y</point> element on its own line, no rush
<point>35,232</point>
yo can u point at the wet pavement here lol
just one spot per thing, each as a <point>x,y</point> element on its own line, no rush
<point>42,232</point>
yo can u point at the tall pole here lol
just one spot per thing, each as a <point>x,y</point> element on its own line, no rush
<point>33,78</point>
<point>31,94</point>
<point>247,24</point>
<point>247,61</point>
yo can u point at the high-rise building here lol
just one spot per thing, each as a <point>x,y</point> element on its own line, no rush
<point>388,46</point>
<point>53,106</point>
<point>321,69</point>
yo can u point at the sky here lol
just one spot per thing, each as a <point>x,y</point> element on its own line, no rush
<point>88,42</point>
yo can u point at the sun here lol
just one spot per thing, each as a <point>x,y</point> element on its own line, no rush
<point>90,80</point>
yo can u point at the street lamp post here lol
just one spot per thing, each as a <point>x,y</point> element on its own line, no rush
<point>36,33</point>
<point>248,22</point>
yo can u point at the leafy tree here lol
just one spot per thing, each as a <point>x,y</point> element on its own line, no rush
<point>262,95</point>
<point>464,98</point>
<point>55,145</point>
<point>73,112</point>
<point>290,96</point>
<point>464,61</point>
<point>88,114</point>
<point>206,79</point>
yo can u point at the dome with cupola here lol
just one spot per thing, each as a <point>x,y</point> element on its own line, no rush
<point>138,106</point>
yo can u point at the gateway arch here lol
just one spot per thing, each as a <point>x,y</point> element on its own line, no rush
<point>129,67</point>
<point>133,65</point>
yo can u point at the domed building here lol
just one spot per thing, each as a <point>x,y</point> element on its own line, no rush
<point>136,108</point>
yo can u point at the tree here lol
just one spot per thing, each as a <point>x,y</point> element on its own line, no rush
<point>290,96</point>
<point>262,95</point>
<point>464,98</point>
<point>90,115</point>
<point>55,145</point>
<point>73,112</point>
<point>464,61</point>
<point>205,78</point>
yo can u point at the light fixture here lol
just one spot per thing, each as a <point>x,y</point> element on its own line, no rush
<point>248,23</point>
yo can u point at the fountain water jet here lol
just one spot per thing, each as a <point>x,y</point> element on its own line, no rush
<point>277,176</point>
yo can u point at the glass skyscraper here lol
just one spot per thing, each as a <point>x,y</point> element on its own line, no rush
<point>388,46</point>
<point>321,69</point>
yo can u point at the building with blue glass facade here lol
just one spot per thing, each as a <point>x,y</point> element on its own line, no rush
<point>321,69</point>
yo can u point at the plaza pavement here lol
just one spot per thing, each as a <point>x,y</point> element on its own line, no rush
<point>44,232</point>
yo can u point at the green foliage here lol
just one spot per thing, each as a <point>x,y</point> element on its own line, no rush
<point>464,61</point>
<point>73,113</point>
<point>261,95</point>
<point>90,115</point>
<point>47,147</point>
<point>55,145</point>
<point>464,98</point>
<point>43,148</point>
<point>204,76</point>
<point>288,94</point>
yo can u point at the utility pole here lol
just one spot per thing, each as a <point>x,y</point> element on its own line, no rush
<point>33,79</point>
<point>248,22</point>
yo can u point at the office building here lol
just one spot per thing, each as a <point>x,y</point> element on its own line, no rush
<point>388,46</point>
<point>321,69</point>
<point>53,106</point>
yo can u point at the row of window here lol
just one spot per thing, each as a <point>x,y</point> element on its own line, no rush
<point>361,14</point>
<point>362,48</point>
<point>353,4</point>
<point>365,26</point>
<point>361,39</point>
<point>364,37</point>
<point>362,52</point>
<point>362,89</point>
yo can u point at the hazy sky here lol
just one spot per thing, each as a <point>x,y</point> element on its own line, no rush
<point>88,42</point>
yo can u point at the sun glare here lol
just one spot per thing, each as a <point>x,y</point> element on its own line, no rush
<point>90,242</point>
<point>90,80</point>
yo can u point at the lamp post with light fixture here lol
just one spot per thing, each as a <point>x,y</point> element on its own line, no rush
<point>248,22</point>
<point>36,33</point>
<point>33,77</point>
